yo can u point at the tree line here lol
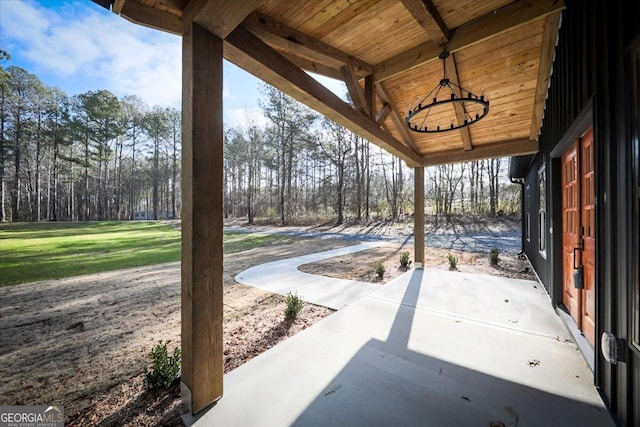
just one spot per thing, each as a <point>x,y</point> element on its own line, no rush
<point>94,156</point>
<point>301,167</point>
<point>84,157</point>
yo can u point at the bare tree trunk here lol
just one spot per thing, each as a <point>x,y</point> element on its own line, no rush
<point>481,195</point>
<point>290,177</point>
<point>156,177</point>
<point>358,146</point>
<point>174,172</point>
<point>15,202</point>
<point>3,213</point>
<point>38,210</point>
<point>368,181</point>
<point>493,173</point>
<point>283,184</point>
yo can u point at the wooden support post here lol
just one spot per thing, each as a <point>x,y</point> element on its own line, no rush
<point>369,95</point>
<point>202,256</point>
<point>418,217</point>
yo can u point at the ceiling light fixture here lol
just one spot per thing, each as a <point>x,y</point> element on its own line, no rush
<point>475,108</point>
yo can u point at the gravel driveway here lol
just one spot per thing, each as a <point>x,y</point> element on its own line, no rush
<point>504,241</point>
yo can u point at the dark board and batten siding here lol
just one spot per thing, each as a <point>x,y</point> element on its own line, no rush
<point>592,84</point>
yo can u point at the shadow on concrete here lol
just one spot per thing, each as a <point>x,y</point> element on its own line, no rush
<point>386,383</point>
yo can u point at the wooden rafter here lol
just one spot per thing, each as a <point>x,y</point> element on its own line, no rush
<point>426,14</point>
<point>149,17</point>
<point>279,34</point>
<point>518,147</point>
<point>220,17</point>
<point>174,4</point>
<point>397,120</point>
<point>355,91</point>
<point>514,16</point>
<point>452,74</point>
<point>551,24</point>
<point>382,115</point>
<point>117,6</point>
<point>313,67</point>
<point>247,51</point>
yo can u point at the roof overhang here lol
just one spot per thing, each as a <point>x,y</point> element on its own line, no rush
<point>386,52</point>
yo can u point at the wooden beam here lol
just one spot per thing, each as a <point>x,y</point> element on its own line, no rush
<point>426,14</point>
<point>295,40</point>
<point>382,115</point>
<point>150,17</point>
<point>220,17</point>
<point>174,4</point>
<point>313,67</point>
<point>294,48</point>
<point>516,147</point>
<point>516,15</point>
<point>117,6</point>
<point>355,91</point>
<point>251,54</point>
<point>202,218</point>
<point>397,120</point>
<point>452,74</point>
<point>551,24</point>
<point>369,96</point>
<point>418,217</point>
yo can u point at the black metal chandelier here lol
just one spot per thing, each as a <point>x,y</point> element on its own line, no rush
<point>474,107</point>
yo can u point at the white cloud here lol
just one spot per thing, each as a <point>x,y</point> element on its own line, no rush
<point>80,41</point>
<point>22,13</point>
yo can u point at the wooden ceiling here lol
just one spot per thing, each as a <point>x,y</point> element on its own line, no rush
<point>386,51</point>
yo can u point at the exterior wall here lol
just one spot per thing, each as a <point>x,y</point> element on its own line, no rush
<point>592,84</point>
<point>539,261</point>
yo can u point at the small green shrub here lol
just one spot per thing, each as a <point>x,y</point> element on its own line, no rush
<point>494,256</point>
<point>404,259</point>
<point>453,262</point>
<point>164,368</point>
<point>380,269</point>
<point>294,306</point>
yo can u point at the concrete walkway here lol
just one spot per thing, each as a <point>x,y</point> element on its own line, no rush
<point>282,277</point>
<point>430,348</point>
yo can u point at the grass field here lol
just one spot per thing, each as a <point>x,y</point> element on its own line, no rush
<point>40,251</point>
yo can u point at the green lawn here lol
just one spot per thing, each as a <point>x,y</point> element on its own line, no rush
<point>41,251</point>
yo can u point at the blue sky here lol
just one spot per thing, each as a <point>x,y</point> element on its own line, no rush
<point>79,46</point>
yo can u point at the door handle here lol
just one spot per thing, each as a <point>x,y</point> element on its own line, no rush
<point>578,281</point>
<point>576,267</point>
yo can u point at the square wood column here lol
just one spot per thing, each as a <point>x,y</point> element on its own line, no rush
<point>202,180</point>
<point>418,217</point>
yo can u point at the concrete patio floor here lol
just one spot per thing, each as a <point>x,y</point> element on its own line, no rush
<point>283,276</point>
<point>430,348</point>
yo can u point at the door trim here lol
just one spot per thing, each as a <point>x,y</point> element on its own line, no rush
<point>583,121</point>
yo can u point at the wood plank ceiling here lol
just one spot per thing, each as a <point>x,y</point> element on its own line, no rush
<point>387,51</point>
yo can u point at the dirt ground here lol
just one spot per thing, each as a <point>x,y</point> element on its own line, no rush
<point>82,342</point>
<point>361,265</point>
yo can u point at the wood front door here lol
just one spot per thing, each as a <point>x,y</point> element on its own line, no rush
<point>588,234</point>
<point>571,296</point>
<point>578,232</point>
